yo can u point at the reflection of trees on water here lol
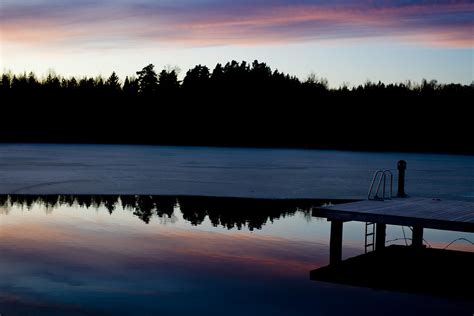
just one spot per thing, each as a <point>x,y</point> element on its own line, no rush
<point>227,212</point>
<point>146,206</point>
<point>238,213</point>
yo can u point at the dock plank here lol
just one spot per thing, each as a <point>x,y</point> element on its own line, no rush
<point>429,213</point>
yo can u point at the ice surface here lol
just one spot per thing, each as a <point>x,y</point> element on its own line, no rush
<point>263,173</point>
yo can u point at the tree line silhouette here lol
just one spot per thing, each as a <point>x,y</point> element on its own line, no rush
<point>236,104</point>
<point>226,212</point>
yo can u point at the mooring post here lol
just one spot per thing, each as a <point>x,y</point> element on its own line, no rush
<point>417,237</point>
<point>402,166</point>
<point>380,232</point>
<point>335,243</point>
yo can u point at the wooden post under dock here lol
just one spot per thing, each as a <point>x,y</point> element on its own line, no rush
<point>380,236</point>
<point>418,213</point>
<point>335,243</point>
<point>417,239</point>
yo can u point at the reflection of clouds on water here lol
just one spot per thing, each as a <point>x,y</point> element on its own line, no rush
<point>68,259</point>
<point>4,210</point>
<point>88,260</point>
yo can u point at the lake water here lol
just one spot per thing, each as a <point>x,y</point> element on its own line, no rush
<point>176,254</point>
<point>131,255</point>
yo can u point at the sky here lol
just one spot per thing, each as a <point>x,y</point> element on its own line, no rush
<point>345,41</point>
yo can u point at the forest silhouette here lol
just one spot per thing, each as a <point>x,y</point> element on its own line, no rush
<point>236,104</point>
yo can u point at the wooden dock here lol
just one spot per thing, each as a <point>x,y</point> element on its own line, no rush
<point>418,213</point>
<point>428,213</point>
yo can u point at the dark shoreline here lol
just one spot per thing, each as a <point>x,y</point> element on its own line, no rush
<point>462,152</point>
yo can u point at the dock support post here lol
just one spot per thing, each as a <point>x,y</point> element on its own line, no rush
<point>380,236</point>
<point>417,238</point>
<point>335,243</point>
<point>402,166</point>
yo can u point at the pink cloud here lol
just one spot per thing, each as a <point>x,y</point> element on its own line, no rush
<point>443,23</point>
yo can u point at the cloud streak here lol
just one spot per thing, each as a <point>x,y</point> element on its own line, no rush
<point>240,22</point>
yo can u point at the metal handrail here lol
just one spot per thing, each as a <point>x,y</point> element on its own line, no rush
<point>381,175</point>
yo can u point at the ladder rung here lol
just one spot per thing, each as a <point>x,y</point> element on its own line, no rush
<point>370,234</point>
<point>369,245</point>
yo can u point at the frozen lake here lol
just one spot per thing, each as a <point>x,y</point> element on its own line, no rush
<point>262,173</point>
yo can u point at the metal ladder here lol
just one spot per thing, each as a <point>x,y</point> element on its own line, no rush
<point>369,237</point>
<point>380,177</point>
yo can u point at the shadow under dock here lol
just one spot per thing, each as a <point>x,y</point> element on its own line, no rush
<point>406,269</point>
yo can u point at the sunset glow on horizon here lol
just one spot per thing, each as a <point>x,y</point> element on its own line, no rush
<point>345,40</point>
